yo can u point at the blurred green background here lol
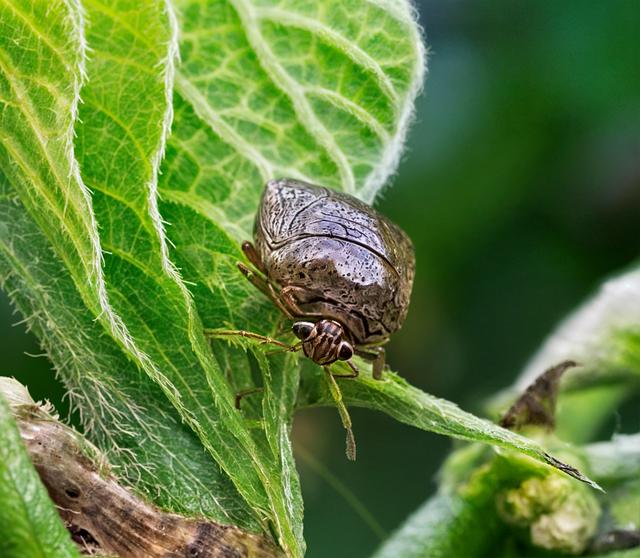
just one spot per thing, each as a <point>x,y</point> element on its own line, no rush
<point>520,188</point>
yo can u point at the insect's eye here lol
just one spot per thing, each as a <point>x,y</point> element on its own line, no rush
<point>302,330</point>
<point>345,351</point>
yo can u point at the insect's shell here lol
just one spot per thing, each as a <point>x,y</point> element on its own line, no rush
<point>349,262</point>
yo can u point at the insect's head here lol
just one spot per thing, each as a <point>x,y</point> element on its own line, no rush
<point>324,341</point>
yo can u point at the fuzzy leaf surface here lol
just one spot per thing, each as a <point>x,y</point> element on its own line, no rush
<point>122,411</point>
<point>603,335</point>
<point>120,140</point>
<point>83,248</point>
<point>397,398</point>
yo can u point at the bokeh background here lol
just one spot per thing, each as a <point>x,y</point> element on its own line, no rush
<point>520,188</point>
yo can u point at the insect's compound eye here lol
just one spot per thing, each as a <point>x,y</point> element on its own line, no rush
<point>345,351</point>
<point>302,330</point>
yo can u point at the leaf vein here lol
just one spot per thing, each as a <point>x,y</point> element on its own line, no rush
<point>335,39</point>
<point>225,132</point>
<point>56,49</point>
<point>292,89</point>
<point>355,109</point>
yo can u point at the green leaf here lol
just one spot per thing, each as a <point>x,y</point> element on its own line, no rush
<point>603,334</point>
<point>125,119</point>
<point>447,525</point>
<point>631,553</point>
<point>29,523</point>
<point>308,90</point>
<point>64,295</point>
<point>321,91</point>
<point>62,209</point>
<point>394,396</point>
<point>317,95</point>
<point>122,411</point>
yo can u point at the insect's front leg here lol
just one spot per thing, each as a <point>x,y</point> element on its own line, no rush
<point>377,357</point>
<point>353,374</point>
<point>213,333</point>
<point>289,298</point>
<point>265,288</point>
<point>252,255</point>
<point>263,339</point>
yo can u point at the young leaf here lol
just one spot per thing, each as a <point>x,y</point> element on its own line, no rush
<point>603,337</point>
<point>29,523</point>
<point>405,403</point>
<point>344,117</point>
<point>122,411</point>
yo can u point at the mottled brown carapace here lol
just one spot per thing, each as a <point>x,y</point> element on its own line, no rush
<point>327,258</point>
<point>105,518</point>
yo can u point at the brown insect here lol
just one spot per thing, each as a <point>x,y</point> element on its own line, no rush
<point>336,267</point>
<point>340,271</point>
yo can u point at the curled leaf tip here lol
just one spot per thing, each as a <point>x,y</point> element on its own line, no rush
<point>571,471</point>
<point>537,405</point>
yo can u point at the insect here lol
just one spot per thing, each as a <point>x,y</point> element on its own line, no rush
<point>336,267</point>
<point>340,271</point>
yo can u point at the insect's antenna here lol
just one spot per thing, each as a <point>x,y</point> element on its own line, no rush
<point>334,389</point>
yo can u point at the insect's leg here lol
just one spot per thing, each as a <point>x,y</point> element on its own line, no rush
<point>241,394</point>
<point>252,255</point>
<point>287,296</point>
<point>377,357</point>
<point>289,349</point>
<point>259,281</point>
<point>353,374</point>
<point>279,302</point>
<point>379,363</point>
<point>265,287</point>
<point>213,333</point>
<point>256,280</point>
